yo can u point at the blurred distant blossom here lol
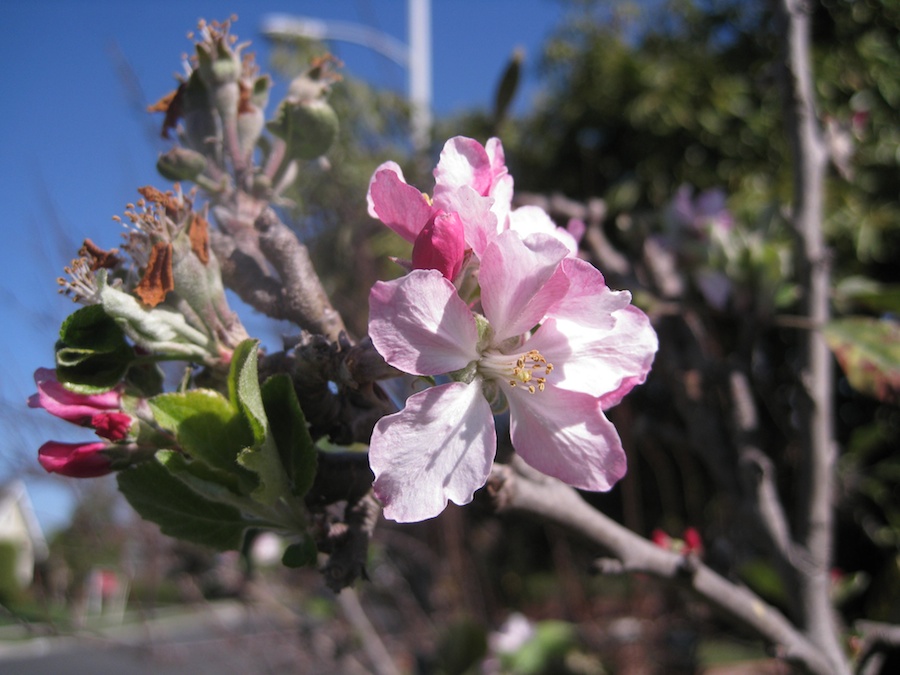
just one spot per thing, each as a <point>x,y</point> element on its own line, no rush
<point>705,213</point>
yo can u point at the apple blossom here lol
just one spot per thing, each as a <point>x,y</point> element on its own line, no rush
<point>471,181</point>
<point>589,349</point>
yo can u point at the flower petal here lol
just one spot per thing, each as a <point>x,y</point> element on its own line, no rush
<point>76,460</point>
<point>529,219</point>
<point>59,401</point>
<point>463,161</point>
<point>518,284</point>
<point>475,212</point>
<point>603,363</point>
<point>440,246</point>
<point>399,206</point>
<point>420,325</point>
<point>565,434</point>
<point>440,447</point>
<point>588,300</point>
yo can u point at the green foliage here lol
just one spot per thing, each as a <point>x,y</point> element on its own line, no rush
<point>158,496</point>
<point>300,554</point>
<point>262,457</point>
<point>545,652</point>
<point>206,425</point>
<point>239,462</point>
<point>92,354</point>
<point>290,433</point>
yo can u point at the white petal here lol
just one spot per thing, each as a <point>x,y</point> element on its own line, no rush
<point>565,434</point>
<point>440,447</point>
<point>518,284</point>
<point>420,325</point>
<point>605,363</point>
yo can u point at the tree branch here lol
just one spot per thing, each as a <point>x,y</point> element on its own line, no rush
<point>517,487</point>
<point>810,159</point>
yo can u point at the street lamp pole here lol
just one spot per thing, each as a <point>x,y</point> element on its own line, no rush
<point>414,57</point>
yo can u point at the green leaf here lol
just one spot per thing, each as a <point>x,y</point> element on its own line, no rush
<point>291,435</point>
<point>869,353</point>
<point>301,554</point>
<point>208,482</point>
<point>206,425</point>
<point>243,388</point>
<point>92,354</point>
<point>161,498</point>
<point>262,456</point>
<point>92,328</point>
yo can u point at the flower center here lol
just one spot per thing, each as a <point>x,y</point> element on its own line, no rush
<point>529,370</point>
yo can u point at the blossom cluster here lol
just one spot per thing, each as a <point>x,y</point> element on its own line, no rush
<point>498,306</point>
<point>102,412</point>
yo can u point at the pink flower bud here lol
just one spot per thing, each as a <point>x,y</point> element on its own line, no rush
<point>76,460</point>
<point>692,541</point>
<point>67,405</point>
<point>112,425</point>
<point>661,539</point>
<point>440,245</point>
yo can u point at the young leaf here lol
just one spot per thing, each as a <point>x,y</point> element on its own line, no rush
<point>160,497</point>
<point>243,388</point>
<point>288,425</point>
<point>262,456</point>
<point>213,484</point>
<point>92,355</point>
<point>207,426</point>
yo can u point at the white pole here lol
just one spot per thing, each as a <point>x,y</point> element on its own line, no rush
<point>419,16</point>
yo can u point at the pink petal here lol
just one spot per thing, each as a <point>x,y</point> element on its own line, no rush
<point>527,220</point>
<point>59,401</point>
<point>463,161</point>
<point>399,206</point>
<point>76,460</point>
<point>440,246</point>
<point>475,212</point>
<point>112,425</point>
<point>605,363</point>
<point>420,325</point>
<point>588,301</point>
<point>496,156</point>
<point>518,284</point>
<point>565,434</point>
<point>440,447</point>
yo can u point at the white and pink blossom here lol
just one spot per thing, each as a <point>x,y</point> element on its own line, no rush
<point>551,341</point>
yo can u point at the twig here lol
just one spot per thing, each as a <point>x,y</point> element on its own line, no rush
<point>810,158</point>
<point>379,657</point>
<point>516,487</point>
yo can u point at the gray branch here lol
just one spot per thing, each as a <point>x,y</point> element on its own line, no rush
<point>516,487</point>
<point>810,158</point>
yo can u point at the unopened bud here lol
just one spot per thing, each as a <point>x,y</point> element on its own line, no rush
<point>181,164</point>
<point>308,127</point>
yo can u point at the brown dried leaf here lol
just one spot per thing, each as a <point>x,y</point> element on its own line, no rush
<point>199,234</point>
<point>97,258</point>
<point>172,105</point>
<point>158,278</point>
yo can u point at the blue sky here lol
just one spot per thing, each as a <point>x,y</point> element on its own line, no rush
<point>76,145</point>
